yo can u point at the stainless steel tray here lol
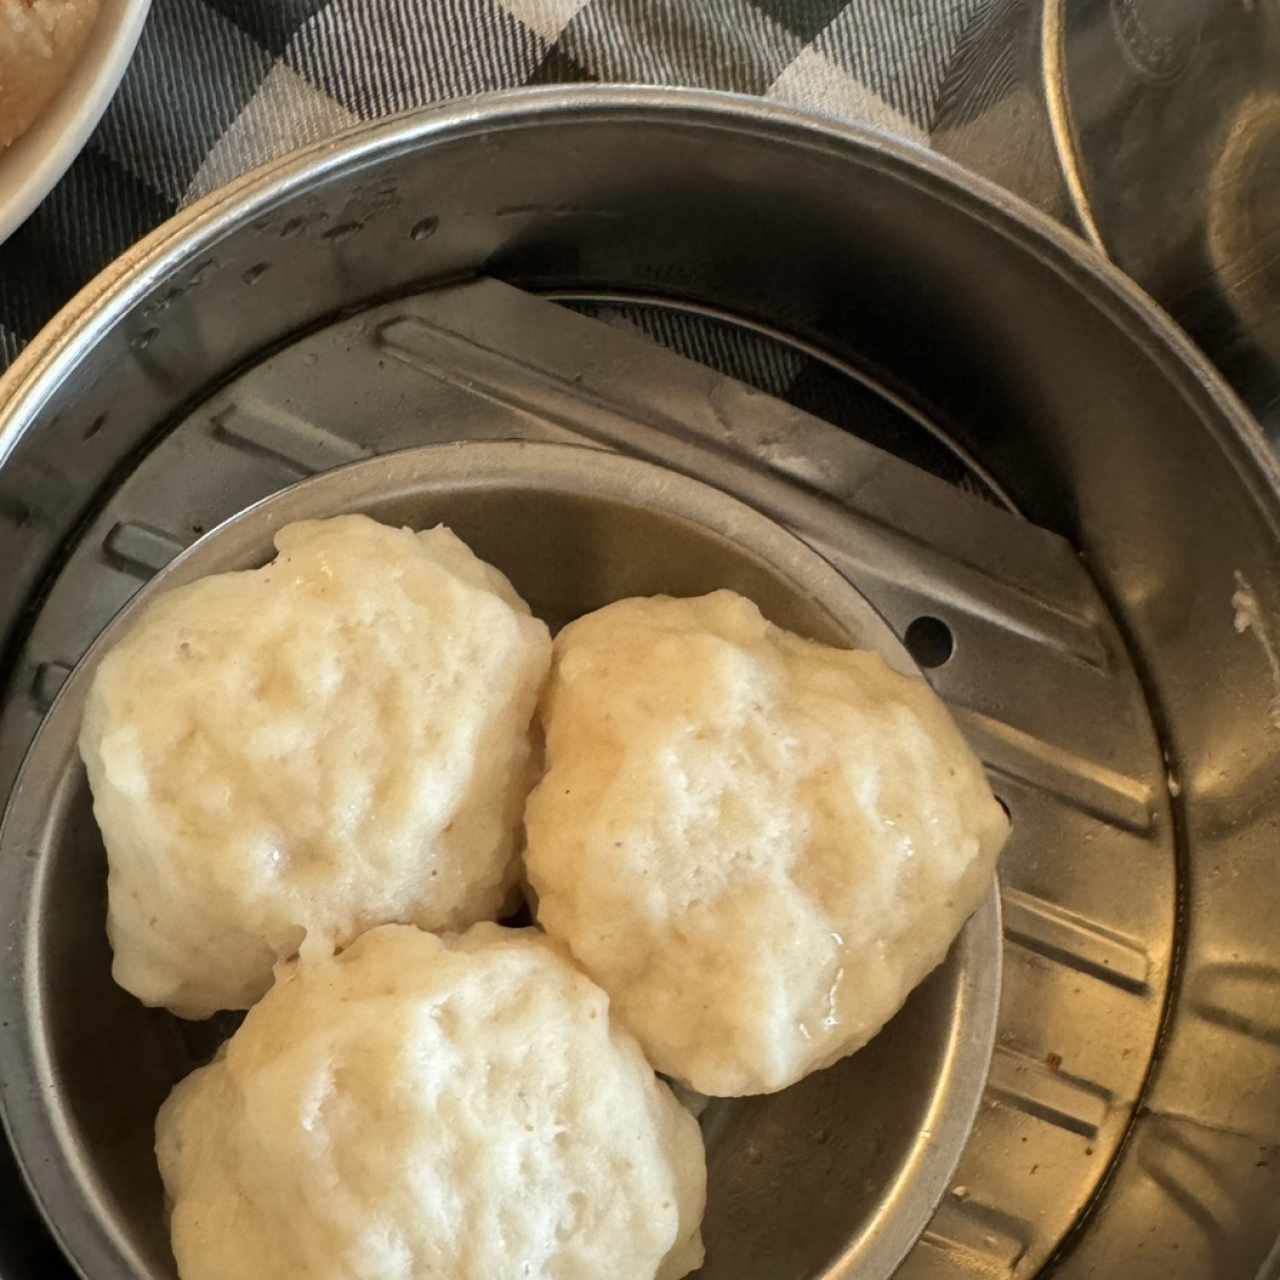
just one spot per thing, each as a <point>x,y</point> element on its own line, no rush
<point>316,314</point>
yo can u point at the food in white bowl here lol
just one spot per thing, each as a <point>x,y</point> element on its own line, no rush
<point>465,1108</point>
<point>285,757</point>
<point>40,43</point>
<point>758,845</point>
<point>46,141</point>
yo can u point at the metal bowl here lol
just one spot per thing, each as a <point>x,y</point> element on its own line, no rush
<point>1113,609</point>
<point>575,529</point>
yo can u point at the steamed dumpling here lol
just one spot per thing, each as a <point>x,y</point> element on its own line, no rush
<point>432,1109</point>
<point>288,756</point>
<point>756,844</point>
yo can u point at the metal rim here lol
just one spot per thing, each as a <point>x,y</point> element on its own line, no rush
<point>45,361</point>
<point>48,1153</point>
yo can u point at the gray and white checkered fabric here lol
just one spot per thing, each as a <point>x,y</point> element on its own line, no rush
<point>219,86</point>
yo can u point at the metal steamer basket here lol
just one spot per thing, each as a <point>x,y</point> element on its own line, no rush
<point>1037,482</point>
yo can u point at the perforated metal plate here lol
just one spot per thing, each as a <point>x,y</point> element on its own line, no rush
<point>1038,672</point>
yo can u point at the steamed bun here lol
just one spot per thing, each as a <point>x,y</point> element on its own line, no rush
<point>419,1107</point>
<point>303,751</point>
<point>756,844</point>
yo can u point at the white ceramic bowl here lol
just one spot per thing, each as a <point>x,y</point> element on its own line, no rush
<point>30,167</point>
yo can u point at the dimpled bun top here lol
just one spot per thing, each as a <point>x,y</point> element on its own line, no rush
<point>335,741</point>
<point>756,844</point>
<point>432,1109</point>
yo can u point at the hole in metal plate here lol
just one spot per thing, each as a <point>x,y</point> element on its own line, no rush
<point>930,641</point>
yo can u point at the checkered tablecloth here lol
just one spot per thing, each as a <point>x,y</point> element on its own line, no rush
<point>219,86</point>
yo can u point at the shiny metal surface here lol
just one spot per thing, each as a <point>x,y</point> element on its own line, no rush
<point>1136,713</point>
<point>1174,120</point>
<point>1152,127</point>
<point>484,360</point>
<point>574,529</point>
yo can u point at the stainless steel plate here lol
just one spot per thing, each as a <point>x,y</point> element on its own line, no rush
<point>856,1157</point>
<point>481,360</point>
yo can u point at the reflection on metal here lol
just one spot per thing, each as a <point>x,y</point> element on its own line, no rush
<point>1188,1176</point>
<point>1242,997</point>
<point>1248,618</point>
<point>1167,118</point>
<point>1243,232</point>
<point>1162,119</point>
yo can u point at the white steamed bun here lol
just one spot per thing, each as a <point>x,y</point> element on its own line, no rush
<point>303,751</point>
<point>459,1108</point>
<point>756,844</point>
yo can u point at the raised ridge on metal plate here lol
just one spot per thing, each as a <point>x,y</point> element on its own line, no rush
<point>517,383</point>
<point>996,1241</point>
<point>49,678</point>
<point>296,442</point>
<point>141,549</point>
<point>1090,787</point>
<point>336,393</point>
<point>1082,944</point>
<point>1044,1090</point>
